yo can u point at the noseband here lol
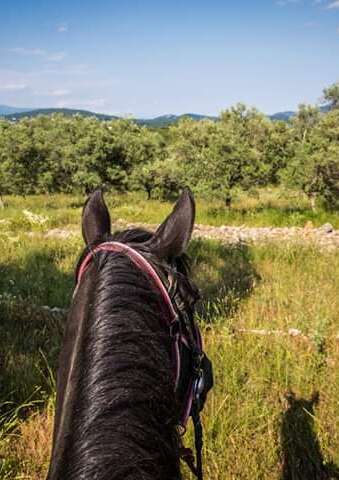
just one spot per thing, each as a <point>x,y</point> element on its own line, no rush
<point>184,334</point>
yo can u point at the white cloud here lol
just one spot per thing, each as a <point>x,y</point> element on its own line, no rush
<point>333,5</point>
<point>62,27</point>
<point>65,70</point>
<point>28,51</point>
<point>311,24</point>
<point>283,3</point>
<point>56,57</point>
<point>86,104</point>
<point>13,87</point>
<point>60,92</point>
<point>39,52</point>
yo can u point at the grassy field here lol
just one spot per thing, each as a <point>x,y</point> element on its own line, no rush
<point>274,412</point>
<point>267,207</point>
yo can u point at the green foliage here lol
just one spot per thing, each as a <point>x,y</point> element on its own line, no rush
<point>304,121</point>
<point>164,177</point>
<point>59,154</point>
<point>241,151</point>
<point>214,156</point>
<point>331,95</point>
<point>315,165</point>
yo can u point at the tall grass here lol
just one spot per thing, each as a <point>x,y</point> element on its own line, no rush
<point>274,410</point>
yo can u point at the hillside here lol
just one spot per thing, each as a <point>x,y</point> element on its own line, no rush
<point>161,121</point>
<point>165,120</point>
<point>68,112</point>
<point>15,113</point>
<point>8,110</point>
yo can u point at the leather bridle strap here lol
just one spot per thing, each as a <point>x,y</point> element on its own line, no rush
<point>138,260</point>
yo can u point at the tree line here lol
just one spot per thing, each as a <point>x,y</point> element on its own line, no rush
<point>242,150</point>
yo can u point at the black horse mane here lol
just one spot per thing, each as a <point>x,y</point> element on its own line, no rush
<point>122,424</point>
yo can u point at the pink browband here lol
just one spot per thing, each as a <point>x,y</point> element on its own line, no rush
<point>137,259</point>
<point>146,267</point>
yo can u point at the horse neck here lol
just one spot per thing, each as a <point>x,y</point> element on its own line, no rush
<point>116,413</point>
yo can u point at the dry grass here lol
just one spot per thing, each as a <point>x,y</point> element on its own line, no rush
<point>26,451</point>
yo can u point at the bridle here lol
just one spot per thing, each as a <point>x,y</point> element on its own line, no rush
<point>184,334</point>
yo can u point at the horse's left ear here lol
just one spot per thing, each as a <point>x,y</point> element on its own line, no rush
<point>172,236</point>
<point>96,222</point>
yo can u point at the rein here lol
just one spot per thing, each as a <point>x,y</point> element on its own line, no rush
<point>176,319</point>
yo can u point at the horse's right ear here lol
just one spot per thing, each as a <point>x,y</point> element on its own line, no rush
<point>96,222</point>
<point>172,237</point>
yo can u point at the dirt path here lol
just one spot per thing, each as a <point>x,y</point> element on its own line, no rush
<point>323,237</point>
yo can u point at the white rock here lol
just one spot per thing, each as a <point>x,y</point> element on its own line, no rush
<point>327,228</point>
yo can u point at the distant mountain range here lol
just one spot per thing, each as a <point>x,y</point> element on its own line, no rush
<point>282,115</point>
<point>165,120</point>
<point>15,113</point>
<point>6,110</point>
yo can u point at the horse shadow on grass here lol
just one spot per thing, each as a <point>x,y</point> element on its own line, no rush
<point>225,274</point>
<point>301,453</point>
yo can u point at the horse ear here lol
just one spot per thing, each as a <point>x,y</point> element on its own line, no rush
<point>172,236</point>
<point>96,222</point>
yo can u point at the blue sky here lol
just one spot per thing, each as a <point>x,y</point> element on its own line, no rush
<point>147,57</point>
